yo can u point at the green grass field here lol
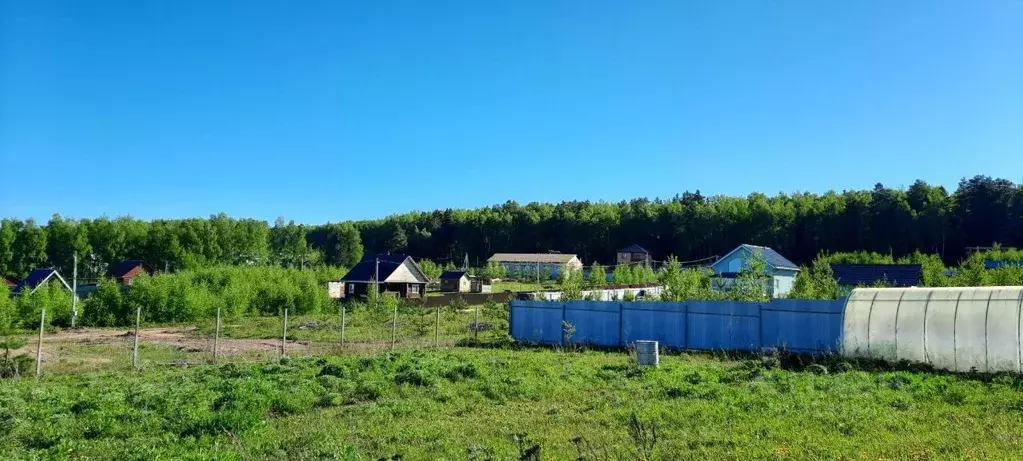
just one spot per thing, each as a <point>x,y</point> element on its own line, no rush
<point>474,403</point>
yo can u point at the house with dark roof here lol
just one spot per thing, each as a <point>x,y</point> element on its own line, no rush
<point>455,282</point>
<point>779,272</point>
<point>126,271</point>
<point>40,278</point>
<point>634,254</point>
<point>894,275</point>
<point>394,273</point>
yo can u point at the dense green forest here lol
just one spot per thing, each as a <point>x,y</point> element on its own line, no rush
<point>892,221</point>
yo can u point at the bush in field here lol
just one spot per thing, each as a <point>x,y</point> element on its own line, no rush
<point>622,275</point>
<point>571,283</point>
<point>682,284</point>
<point>817,282</point>
<point>52,297</point>
<point>106,306</point>
<point>194,294</point>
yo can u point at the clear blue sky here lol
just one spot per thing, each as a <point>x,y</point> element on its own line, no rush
<point>331,110</point>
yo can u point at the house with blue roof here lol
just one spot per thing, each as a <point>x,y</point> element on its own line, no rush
<point>779,271</point>
<point>39,278</point>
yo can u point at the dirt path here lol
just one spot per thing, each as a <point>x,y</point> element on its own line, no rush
<point>182,338</point>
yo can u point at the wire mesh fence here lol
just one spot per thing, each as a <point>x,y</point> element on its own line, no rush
<point>219,340</point>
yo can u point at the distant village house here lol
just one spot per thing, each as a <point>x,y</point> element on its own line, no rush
<point>633,254</point>
<point>126,271</point>
<point>780,273</point>
<point>455,282</point>
<point>398,274</point>
<point>40,278</point>
<point>545,263</point>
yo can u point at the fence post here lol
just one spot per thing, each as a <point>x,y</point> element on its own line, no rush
<point>39,346</point>
<point>284,333</point>
<point>216,337</point>
<point>436,331</point>
<point>621,327</point>
<point>561,327</point>
<point>343,309</point>
<point>476,325</point>
<point>135,346</point>
<point>394,325</point>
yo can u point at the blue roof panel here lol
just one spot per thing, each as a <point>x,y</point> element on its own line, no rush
<point>774,259</point>
<point>900,275</point>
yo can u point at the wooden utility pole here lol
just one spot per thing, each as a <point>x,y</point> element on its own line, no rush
<point>436,331</point>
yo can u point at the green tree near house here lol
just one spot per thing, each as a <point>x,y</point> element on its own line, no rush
<point>598,276</point>
<point>753,282</point>
<point>8,233</point>
<point>622,275</point>
<point>571,283</point>
<point>29,248</point>
<point>683,284</point>
<point>431,269</point>
<point>816,282</point>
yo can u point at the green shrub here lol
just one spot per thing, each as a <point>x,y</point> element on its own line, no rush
<point>196,294</point>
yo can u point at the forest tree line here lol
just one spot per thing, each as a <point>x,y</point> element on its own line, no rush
<point>923,218</point>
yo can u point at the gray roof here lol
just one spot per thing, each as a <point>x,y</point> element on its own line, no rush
<point>773,258</point>
<point>367,269</point>
<point>634,249</point>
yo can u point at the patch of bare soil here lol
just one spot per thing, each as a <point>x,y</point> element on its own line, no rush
<point>182,338</point>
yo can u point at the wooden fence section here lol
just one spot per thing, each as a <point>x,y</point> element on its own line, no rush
<point>798,325</point>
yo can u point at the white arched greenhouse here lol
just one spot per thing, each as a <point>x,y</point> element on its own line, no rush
<point>958,329</point>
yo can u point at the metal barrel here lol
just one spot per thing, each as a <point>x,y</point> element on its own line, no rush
<point>647,353</point>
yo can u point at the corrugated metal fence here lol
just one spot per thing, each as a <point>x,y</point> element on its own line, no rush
<point>798,325</point>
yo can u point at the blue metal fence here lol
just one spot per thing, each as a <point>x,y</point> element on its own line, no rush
<point>799,325</point>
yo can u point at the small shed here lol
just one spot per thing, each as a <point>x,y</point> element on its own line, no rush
<point>480,285</point>
<point>455,282</point>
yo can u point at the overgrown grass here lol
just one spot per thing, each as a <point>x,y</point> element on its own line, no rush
<point>504,404</point>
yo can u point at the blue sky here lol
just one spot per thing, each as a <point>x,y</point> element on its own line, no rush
<point>331,110</point>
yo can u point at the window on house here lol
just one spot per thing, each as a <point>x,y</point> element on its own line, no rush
<point>413,288</point>
<point>351,288</point>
